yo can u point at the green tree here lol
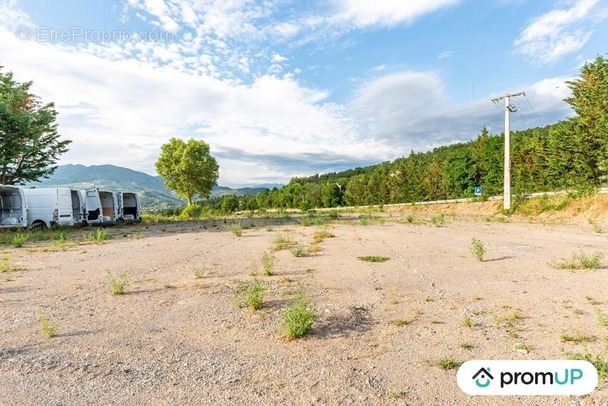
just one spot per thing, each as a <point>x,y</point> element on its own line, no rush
<point>589,100</point>
<point>29,141</point>
<point>187,168</point>
<point>230,204</point>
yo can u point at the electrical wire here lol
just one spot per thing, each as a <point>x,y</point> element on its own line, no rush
<point>530,104</point>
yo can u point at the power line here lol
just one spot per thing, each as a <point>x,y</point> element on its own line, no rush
<point>530,104</point>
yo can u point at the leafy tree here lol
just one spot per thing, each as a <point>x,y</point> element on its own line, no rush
<point>230,204</point>
<point>29,141</point>
<point>187,168</point>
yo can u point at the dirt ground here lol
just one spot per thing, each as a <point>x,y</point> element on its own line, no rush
<point>381,332</point>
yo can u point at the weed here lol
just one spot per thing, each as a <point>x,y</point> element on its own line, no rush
<point>236,229</point>
<point>298,251</point>
<point>400,322</point>
<point>313,249</point>
<point>100,235</point>
<point>268,263</point>
<point>448,363</point>
<point>169,286</point>
<point>468,322</point>
<point>600,364</point>
<point>282,242</point>
<point>6,265</point>
<point>366,219</point>
<point>251,295</point>
<point>581,260</point>
<point>19,239</point>
<point>49,329</point>
<point>298,318</point>
<point>396,394</point>
<point>373,259</point>
<point>577,339</point>
<point>320,235</point>
<point>438,220</point>
<point>410,219</point>
<point>201,272</point>
<point>602,317</point>
<point>117,286</point>
<point>466,346</point>
<point>522,347</point>
<point>477,249</point>
<point>593,301</point>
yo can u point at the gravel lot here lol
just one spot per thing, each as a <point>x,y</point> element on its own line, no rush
<point>381,329</point>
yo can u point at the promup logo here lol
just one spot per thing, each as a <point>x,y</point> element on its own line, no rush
<point>483,375</point>
<point>509,377</point>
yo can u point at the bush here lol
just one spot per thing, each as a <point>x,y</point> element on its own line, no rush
<point>478,249</point>
<point>117,286</point>
<point>298,319</point>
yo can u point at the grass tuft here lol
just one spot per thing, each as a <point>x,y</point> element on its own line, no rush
<point>448,363</point>
<point>581,260</point>
<point>268,263</point>
<point>49,329</point>
<point>117,285</point>
<point>236,229</point>
<point>251,295</point>
<point>282,242</point>
<point>100,235</point>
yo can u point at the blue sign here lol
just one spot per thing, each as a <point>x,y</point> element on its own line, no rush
<point>477,191</point>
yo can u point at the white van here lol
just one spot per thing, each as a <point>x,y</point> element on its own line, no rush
<point>49,207</point>
<point>92,206</point>
<point>129,207</point>
<point>109,206</point>
<point>13,207</point>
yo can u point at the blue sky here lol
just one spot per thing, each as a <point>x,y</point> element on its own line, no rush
<point>283,88</point>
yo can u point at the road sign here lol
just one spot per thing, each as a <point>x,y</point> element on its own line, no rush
<point>477,191</point>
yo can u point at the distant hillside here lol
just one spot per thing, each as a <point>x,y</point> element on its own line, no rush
<point>152,190</point>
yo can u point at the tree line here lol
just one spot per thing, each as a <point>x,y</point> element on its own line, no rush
<point>571,154</point>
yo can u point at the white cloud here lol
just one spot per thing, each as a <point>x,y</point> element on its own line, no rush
<point>445,54</point>
<point>559,32</point>
<point>363,13</point>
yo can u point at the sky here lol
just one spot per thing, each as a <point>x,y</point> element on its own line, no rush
<point>284,88</point>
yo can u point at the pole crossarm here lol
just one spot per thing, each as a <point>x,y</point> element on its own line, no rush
<point>499,98</point>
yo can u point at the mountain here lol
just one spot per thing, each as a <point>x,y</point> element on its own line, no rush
<point>151,189</point>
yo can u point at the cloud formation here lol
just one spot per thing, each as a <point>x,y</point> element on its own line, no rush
<point>553,35</point>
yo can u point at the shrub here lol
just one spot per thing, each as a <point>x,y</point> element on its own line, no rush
<point>298,318</point>
<point>117,286</point>
<point>477,249</point>
<point>298,251</point>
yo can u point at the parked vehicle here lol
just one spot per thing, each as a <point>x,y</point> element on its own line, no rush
<point>13,207</point>
<point>49,207</point>
<point>109,206</point>
<point>129,207</point>
<point>92,205</point>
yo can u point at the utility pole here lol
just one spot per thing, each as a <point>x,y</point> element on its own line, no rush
<point>507,171</point>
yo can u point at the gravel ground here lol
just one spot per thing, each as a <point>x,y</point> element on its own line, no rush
<point>379,336</point>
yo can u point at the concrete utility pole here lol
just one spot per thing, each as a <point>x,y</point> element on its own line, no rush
<point>507,172</point>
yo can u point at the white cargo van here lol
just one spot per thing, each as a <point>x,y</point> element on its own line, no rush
<point>49,207</point>
<point>13,207</point>
<point>109,206</point>
<point>129,207</point>
<point>92,206</point>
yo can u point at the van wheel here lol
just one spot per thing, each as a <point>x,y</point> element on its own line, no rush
<point>38,225</point>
